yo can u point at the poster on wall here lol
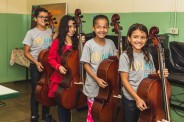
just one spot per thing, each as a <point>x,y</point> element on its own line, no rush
<point>57,11</point>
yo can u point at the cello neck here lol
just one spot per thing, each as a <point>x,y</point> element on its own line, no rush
<point>120,44</point>
<point>156,41</point>
<point>80,32</point>
<point>117,29</point>
<point>163,80</point>
<point>78,17</point>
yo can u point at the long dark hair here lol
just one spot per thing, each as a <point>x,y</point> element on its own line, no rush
<point>129,48</point>
<point>62,32</point>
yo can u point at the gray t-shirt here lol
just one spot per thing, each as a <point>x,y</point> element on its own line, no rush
<point>38,40</point>
<point>138,73</point>
<point>94,54</point>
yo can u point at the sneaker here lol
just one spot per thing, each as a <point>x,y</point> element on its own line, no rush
<point>34,118</point>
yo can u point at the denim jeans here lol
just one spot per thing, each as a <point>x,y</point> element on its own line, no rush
<point>35,77</point>
<point>64,114</point>
<point>130,110</point>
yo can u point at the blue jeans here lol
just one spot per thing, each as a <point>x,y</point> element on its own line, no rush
<point>130,110</point>
<point>35,77</point>
<point>64,114</point>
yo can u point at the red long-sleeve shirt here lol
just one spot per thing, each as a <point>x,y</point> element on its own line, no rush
<point>54,59</point>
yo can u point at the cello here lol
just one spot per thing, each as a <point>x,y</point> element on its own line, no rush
<point>69,90</point>
<point>104,108</point>
<point>155,90</point>
<point>82,99</point>
<point>42,87</point>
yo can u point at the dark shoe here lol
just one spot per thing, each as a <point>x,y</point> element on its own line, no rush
<point>48,118</point>
<point>34,118</point>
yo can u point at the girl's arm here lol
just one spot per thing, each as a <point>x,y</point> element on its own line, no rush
<point>30,57</point>
<point>100,81</point>
<point>52,58</point>
<point>141,105</point>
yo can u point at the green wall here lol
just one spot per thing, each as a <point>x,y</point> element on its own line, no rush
<point>13,28</point>
<point>163,20</point>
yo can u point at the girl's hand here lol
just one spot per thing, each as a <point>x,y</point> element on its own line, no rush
<point>83,39</point>
<point>166,73</point>
<point>62,70</point>
<point>141,105</point>
<point>101,83</point>
<point>39,66</point>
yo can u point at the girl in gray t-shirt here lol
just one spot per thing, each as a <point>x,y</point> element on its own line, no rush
<point>135,64</point>
<point>95,50</point>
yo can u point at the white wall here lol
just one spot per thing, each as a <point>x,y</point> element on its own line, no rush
<point>97,6</point>
<point>13,6</point>
<point>118,6</point>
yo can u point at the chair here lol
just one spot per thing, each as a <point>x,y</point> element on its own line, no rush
<point>176,69</point>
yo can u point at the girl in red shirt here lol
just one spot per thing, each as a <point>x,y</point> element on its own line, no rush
<point>66,39</point>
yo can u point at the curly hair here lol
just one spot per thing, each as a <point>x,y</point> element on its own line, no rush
<point>63,30</point>
<point>129,48</point>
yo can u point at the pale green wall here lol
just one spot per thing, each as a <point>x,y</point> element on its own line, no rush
<point>162,20</point>
<point>13,28</point>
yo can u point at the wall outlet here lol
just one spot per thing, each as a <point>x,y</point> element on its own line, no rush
<point>173,30</point>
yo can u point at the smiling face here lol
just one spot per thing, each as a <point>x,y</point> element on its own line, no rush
<point>71,28</point>
<point>137,39</point>
<point>101,28</point>
<point>40,19</point>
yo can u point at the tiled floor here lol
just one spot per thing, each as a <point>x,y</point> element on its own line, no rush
<point>18,109</point>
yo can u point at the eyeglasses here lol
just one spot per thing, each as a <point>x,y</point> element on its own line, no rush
<point>42,17</point>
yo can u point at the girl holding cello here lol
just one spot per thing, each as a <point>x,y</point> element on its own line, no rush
<point>95,50</point>
<point>67,39</point>
<point>135,64</point>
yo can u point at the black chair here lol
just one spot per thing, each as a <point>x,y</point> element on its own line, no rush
<point>176,69</point>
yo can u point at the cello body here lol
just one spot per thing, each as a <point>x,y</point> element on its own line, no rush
<point>105,103</point>
<point>150,90</point>
<point>42,87</point>
<point>68,90</point>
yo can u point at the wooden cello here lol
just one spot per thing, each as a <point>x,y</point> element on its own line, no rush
<point>105,104</point>
<point>155,90</point>
<point>42,87</point>
<point>69,90</point>
<point>82,99</point>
